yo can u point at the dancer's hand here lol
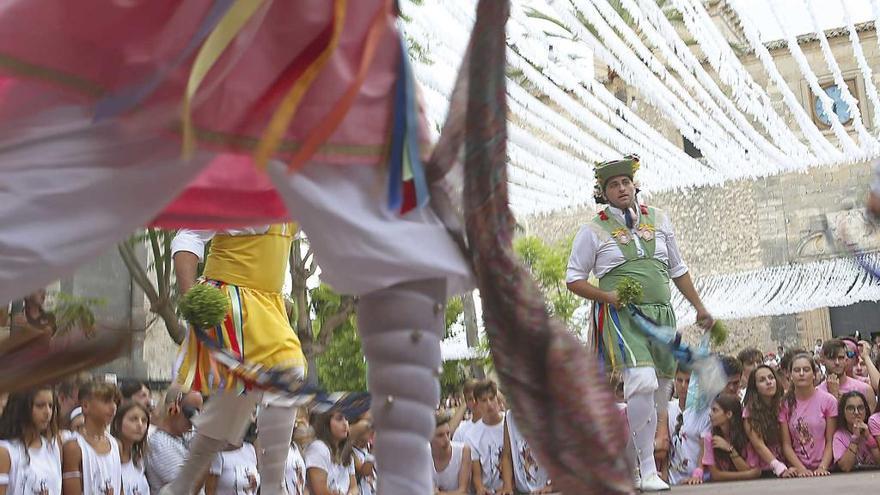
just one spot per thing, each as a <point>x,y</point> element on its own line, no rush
<point>612,298</point>
<point>704,319</point>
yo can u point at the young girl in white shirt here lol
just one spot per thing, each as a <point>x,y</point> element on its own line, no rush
<point>329,466</point>
<point>30,445</point>
<point>130,429</point>
<point>91,461</point>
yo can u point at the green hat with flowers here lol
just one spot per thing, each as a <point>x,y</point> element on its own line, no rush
<point>628,166</point>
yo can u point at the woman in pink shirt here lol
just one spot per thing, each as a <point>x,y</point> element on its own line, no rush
<point>761,421</point>
<point>808,420</point>
<point>854,447</point>
<point>726,450</point>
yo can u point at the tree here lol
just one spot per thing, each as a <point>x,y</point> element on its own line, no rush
<point>162,294</point>
<point>548,263</point>
<point>318,313</point>
<point>342,367</point>
<point>75,312</point>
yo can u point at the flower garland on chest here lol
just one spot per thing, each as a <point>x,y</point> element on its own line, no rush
<point>623,235</point>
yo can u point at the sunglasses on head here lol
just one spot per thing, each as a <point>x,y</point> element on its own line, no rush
<point>851,354</point>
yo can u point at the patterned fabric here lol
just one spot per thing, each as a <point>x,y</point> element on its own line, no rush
<point>563,406</point>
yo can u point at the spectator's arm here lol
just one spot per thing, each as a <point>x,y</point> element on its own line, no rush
<point>71,469</point>
<point>828,454</point>
<point>316,480</point>
<point>353,488</point>
<point>211,484</point>
<point>758,443</point>
<point>477,476</point>
<point>457,417</point>
<point>721,475</point>
<point>5,467</point>
<point>506,462</point>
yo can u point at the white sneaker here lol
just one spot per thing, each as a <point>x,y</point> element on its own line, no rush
<point>637,479</point>
<point>653,483</point>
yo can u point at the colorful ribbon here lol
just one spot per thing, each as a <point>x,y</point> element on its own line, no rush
<point>129,98</point>
<point>227,29</point>
<point>280,121</point>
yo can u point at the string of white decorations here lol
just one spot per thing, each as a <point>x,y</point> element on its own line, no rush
<point>867,73</point>
<point>758,152</point>
<point>826,152</point>
<point>746,93</point>
<point>783,290</point>
<point>629,132</point>
<point>626,64</point>
<point>867,142</point>
<point>759,108</point>
<point>849,146</point>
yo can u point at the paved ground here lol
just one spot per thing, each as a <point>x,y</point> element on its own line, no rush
<point>867,482</point>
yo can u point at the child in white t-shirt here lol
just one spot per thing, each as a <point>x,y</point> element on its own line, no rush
<point>486,440</point>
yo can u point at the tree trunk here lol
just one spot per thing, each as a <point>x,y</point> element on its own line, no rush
<point>471,329</point>
<point>175,330</point>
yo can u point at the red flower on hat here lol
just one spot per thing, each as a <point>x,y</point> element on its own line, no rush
<point>603,216</point>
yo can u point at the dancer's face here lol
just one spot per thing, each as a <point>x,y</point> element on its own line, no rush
<point>339,427</point>
<point>765,381</point>
<point>620,191</point>
<point>41,411</point>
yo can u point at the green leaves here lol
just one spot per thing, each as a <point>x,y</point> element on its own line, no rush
<point>204,306</point>
<point>76,312</point>
<point>718,334</point>
<point>548,263</point>
<point>629,292</point>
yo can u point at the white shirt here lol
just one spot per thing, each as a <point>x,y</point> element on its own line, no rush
<point>235,470</point>
<point>486,443</point>
<point>594,250</point>
<point>101,473</point>
<point>295,472</point>
<point>461,433</point>
<point>41,475</point>
<point>165,456</point>
<point>338,476</point>
<point>134,481</point>
<point>528,475</point>
<point>367,484</point>
<point>447,480</point>
<point>194,241</point>
<point>687,444</point>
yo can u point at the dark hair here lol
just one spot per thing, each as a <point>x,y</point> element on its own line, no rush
<point>100,390</point>
<point>485,387</point>
<point>841,408</point>
<point>732,366</point>
<point>750,355</point>
<point>131,386</point>
<point>832,347</point>
<point>321,424</point>
<point>737,437</point>
<point>68,386</point>
<point>785,359</point>
<point>468,387</point>
<point>17,417</point>
<point>139,448</point>
<point>790,398</point>
<point>763,417</point>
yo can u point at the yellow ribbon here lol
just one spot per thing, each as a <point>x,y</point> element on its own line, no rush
<point>280,121</point>
<point>227,29</point>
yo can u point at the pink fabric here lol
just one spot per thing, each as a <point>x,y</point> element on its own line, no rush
<point>56,52</point>
<point>848,386</point>
<point>842,439</point>
<point>756,460</point>
<point>874,425</point>
<point>709,455</point>
<point>806,425</point>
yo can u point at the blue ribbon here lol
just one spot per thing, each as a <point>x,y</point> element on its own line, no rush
<point>130,97</point>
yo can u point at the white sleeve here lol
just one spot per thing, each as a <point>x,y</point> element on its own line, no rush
<point>216,465</point>
<point>191,241</point>
<point>318,456</point>
<point>677,267</point>
<point>582,260</point>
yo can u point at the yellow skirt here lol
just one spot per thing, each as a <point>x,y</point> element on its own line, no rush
<point>256,330</point>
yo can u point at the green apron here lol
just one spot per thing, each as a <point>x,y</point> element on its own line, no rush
<point>618,340</point>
